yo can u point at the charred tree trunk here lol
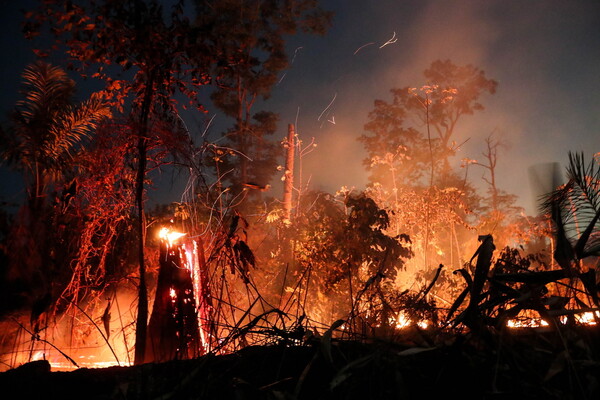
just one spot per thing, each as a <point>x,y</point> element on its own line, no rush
<point>288,183</point>
<point>173,331</point>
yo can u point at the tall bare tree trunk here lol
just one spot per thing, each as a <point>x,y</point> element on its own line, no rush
<point>142,147</point>
<point>288,183</point>
<point>142,316</point>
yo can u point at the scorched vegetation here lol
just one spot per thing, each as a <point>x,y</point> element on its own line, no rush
<point>424,283</point>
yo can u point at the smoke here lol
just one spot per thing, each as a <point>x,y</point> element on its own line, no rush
<point>542,53</point>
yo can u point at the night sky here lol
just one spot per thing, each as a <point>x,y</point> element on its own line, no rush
<point>545,56</point>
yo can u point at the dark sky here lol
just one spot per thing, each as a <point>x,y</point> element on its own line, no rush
<point>544,54</point>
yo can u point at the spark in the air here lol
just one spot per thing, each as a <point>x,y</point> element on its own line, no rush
<point>282,76</point>
<point>328,106</point>
<point>295,53</point>
<point>363,46</point>
<point>392,40</point>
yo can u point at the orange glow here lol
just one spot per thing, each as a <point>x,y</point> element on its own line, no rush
<point>527,320</point>
<point>588,318</point>
<point>169,235</point>
<point>526,323</point>
<point>79,340</point>
<point>403,321</point>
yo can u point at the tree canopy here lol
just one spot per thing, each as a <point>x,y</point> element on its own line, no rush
<point>416,131</point>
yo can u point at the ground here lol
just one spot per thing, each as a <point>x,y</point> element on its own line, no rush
<point>530,365</point>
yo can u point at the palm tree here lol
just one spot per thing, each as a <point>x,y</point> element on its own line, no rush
<point>47,129</point>
<point>575,211</point>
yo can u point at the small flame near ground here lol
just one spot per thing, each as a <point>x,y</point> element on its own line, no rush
<point>401,321</point>
<point>404,321</point>
<point>531,320</point>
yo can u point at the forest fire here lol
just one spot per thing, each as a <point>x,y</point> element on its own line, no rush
<point>426,258</point>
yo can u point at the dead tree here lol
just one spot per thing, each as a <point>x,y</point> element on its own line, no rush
<point>173,331</point>
<point>288,183</point>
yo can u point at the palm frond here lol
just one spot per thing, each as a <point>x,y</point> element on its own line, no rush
<point>575,206</point>
<point>46,89</point>
<point>75,124</point>
<point>586,184</point>
<point>593,245</point>
<point>46,127</point>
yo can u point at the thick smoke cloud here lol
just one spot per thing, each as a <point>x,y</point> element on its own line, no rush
<point>544,55</point>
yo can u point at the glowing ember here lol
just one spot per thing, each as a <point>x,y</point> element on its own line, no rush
<point>170,235</point>
<point>66,366</point>
<point>588,318</point>
<point>423,324</point>
<point>403,321</point>
<point>526,323</point>
<point>529,321</point>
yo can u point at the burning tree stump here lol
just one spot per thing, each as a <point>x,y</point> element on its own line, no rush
<point>173,331</point>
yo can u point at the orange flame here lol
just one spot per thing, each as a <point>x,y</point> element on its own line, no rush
<point>169,235</point>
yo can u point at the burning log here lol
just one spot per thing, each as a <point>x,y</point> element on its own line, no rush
<point>173,331</point>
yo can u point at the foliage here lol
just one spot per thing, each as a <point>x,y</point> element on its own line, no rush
<point>154,48</point>
<point>327,264</point>
<point>398,149</point>
<point>102,207</point>
<point>47,129</point>
<point>441,227</point>
<point>340,259</point>
<point>522,286</point>
<point>410,141</point>
<point>340,238</point>
<point>575,209</point>
<point>248,39</point>
<point>161,48</point>
<point>45,138</point>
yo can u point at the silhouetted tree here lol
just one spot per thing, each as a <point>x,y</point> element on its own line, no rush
<point>418,127</point>
<point>249,39</point>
